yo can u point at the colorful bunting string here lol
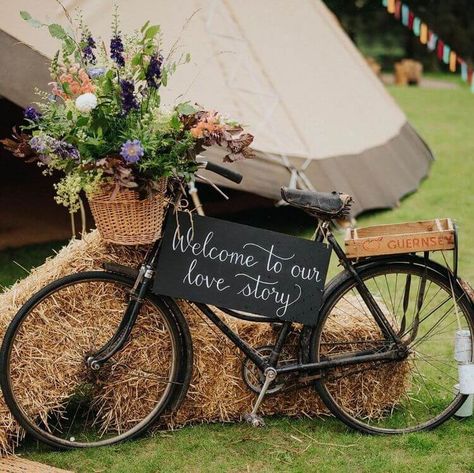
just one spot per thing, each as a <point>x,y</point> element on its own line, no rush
<point>402,12</point>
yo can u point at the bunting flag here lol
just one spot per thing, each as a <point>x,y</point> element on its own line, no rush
<point>464,71</point>
<point>432,41</point>
<point>452,61</point>
<point>416,26</point>
<point>440,50</point>
<point>428,37</point>
<point>446,54</point>
<point>423,33</point>
<point>398,9</point>
<point>405,15</point>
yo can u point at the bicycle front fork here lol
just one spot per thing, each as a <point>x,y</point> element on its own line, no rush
<point>120,337</point>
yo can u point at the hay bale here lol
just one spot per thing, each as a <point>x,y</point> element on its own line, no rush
<point>408,72</point>
<point>375,66</point>
<point>217,392</point>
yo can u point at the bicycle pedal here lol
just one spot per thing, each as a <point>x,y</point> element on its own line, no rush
<point>254,420</point>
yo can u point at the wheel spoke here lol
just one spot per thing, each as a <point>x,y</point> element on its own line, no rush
<point>71,402</point>
<point>409,394</point>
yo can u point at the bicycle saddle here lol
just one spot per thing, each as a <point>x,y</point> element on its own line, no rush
<point>325,205</point>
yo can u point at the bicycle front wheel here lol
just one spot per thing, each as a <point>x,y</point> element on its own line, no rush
<point>47,383</point>
<point>413,394</point>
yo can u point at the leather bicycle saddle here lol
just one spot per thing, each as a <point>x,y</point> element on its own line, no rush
<point>325,205</point>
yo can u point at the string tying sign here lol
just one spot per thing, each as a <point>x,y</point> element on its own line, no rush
<point>243,268</point>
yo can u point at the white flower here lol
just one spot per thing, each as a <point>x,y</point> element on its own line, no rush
<point>86,102</point>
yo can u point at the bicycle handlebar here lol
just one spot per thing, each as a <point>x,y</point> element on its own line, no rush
<point>223,171</point>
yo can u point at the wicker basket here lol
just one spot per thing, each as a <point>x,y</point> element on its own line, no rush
<point>125,220</point>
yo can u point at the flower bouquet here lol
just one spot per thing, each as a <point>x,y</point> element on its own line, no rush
<point>103,127</point>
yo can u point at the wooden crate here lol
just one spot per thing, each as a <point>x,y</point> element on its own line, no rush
<point>411,237</point>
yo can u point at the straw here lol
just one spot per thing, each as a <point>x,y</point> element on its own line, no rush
<point>217,392</point>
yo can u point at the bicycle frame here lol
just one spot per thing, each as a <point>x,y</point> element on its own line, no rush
<point>144,278</point>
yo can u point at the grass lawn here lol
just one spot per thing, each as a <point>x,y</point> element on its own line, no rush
<point>444,119</point>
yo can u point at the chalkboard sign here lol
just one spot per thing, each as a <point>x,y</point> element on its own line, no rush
<point>238,267</point>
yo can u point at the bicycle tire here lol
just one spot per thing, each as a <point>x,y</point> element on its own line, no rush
<point>169,380</point>
<point>391,420</point>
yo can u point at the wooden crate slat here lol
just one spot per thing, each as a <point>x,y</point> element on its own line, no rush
<point>402,228</point>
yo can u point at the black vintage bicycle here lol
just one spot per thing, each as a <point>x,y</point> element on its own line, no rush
<point>406,307</point>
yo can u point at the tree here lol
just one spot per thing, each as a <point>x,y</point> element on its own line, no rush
<point>373,29</point>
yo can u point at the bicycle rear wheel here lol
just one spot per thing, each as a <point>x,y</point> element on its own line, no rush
<point>413,394</point>
<point>53,393</point>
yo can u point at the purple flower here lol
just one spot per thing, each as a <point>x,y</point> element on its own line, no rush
<point>116,50</point>
<point>32,114</point>
<point>153,72</point>
<point>132,151</point>
<point>39,143</point>
<point>95,72</point>
<point>45,145</point>
<point>87,50</point>
<point>65,150</point>
<point>127,94</point>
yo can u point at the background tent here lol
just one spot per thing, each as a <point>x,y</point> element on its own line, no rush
<point>286,69</point>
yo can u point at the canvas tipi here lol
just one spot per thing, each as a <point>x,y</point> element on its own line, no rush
<point>285,68</point>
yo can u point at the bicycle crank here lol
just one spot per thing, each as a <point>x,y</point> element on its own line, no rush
<point>254,378</point>
<point>255,420</point>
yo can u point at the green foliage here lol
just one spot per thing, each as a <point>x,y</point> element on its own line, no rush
<point>15,263</point>
<point>186,108</point>
<point>104,104</point>
<point>27,17</point>
<point>380,35</point>
<point>151,32</point>
<point>283,445</point>
<point>443,117</point>
<point>57,31</point>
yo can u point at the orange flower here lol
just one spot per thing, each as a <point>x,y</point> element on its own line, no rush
<point>77,80</point>
<point>197,131</point>
<point>208,123</point>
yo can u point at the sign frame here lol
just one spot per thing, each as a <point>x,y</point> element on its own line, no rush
<point>226,264</point>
